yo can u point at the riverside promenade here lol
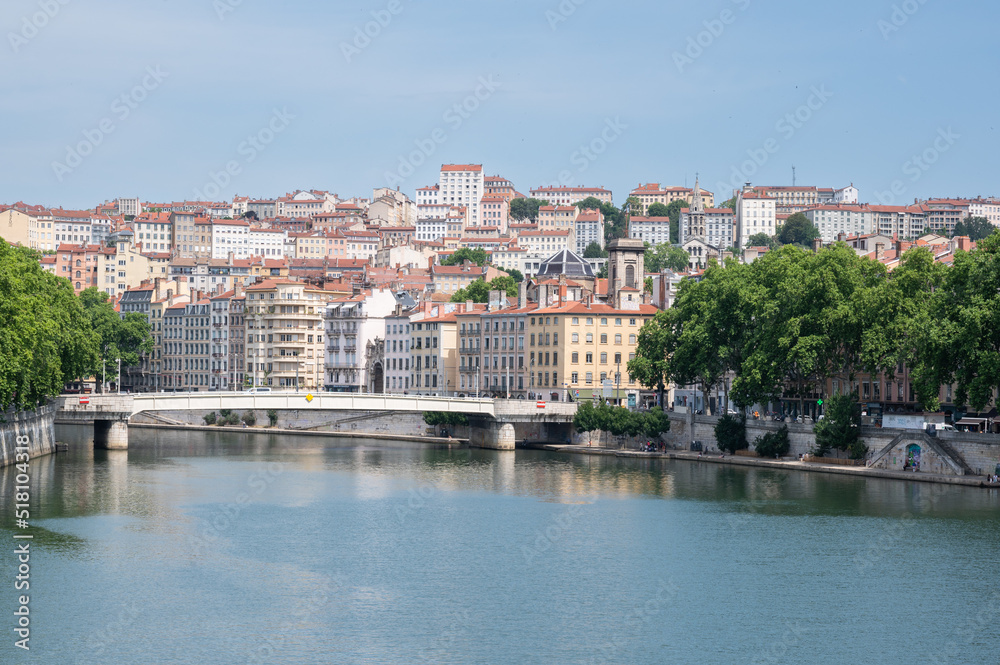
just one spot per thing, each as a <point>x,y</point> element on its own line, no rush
<point>784,463</point>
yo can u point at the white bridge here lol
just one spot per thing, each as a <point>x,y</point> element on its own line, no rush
<point>491,420</point>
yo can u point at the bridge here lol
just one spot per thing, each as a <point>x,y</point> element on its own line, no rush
<point>492,421</point>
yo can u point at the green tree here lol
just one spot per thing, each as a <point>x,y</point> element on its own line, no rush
<point>731,204</point>
<point>762,240</point>
<point>655,346</point>
<point>666,257</point>
<point>46,339</point>
<point>797,230</point>
<point>657,210</point>
<point>976,228</point>
<point>674,212</point>
<point>477,291</point>
<point>773,444</point>
<point>589,203</point>
<point>118,337</point>
<point>840,428</point>
<point>526,209</point>
<point>514,273</point>
<point>587,419</point>
<point>478,256</point>
<point>506,284</point>
<point>647,285</point>
<point>731,433</point>
<point>595,251</point>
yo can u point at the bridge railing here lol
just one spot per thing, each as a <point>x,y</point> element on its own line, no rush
<point>321,401</point>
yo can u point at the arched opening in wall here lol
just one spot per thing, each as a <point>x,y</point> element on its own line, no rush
<point>630,276</point>
<point>378,379</point>
<point>912,461</point>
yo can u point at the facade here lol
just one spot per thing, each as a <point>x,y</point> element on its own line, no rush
<point>496,211</point>
<point>569,196</point>
<point>654,230</point>
<point>557,217</point>
<point>626,273</point>
<point>268,243</point>
<point>834,219</point>
<point>434,352</point>
<point>717,226</point>
<point>589,229</point>
<point>397,349</point>
<point>285,330</point>
<point>431,228</point>
<point>154,231</point>
<point>651,193</point>
<point>542,244</point>
<point>755,213</point>
<point>988,208</point>
<point>355,331</point>
<point>449,279</point>
<point>230,237</point>
<point>462,185</point>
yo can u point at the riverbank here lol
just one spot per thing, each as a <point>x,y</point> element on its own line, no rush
<point>787,464</point>
<point>435,440</point>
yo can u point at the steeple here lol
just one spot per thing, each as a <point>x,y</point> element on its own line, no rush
<point>697,205</point>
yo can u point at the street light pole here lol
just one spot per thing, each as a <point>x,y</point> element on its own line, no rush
<point>119,376</point>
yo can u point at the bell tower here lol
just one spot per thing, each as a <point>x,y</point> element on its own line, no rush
<point>626,272</point>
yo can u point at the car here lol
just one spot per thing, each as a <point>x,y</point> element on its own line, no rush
<point>258,390</point>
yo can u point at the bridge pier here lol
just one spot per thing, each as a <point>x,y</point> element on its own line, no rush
<point>111,434</point>
<point>494,436</point>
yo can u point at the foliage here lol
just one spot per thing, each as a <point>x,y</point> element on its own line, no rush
<point>272,417</point>
<point>46,338</point>
<point>479,290</point>
<point>840,428</point>
<point>976,228</point>
<point>522,209</point>
<point>773,444</point>
<point>731,433</point>
<point>671,210</point>
<point>666,257</point>
<point>762,240</point>
<point>445,418</point>
<point>603,272</point>
<point>647,285</point>
<point>515,274</point>
<point>209,418</point>
<point>619,421</point>
<point>225,413</point>
<point>589,203</point>
<point>249,418</point>
<point>233,419</point>
<point>125,337</point>
<point>797,230</point>
<point>478,256</point>
<point>731,204</point>
<point>595,251</point>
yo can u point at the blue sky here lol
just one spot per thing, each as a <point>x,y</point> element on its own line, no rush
<point>163,94</point>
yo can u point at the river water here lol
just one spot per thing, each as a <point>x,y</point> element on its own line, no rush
<point>229,548</point>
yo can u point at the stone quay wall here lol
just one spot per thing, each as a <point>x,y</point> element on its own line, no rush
<point>37,425</point>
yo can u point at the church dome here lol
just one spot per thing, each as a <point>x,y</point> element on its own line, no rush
<point>567,263</point>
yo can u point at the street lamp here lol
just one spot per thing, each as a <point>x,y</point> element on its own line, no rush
<point>119,375</point>
<point>618,378</point>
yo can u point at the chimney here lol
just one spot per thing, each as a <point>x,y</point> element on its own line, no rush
<point>879,251</point>
<point>817,245</point>
<point>522,295</point>
<point>469,306</point>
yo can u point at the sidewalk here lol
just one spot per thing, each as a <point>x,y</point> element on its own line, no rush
<point>785,463</point>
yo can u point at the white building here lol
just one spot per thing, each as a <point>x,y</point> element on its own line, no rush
<point>654,230</point>
<point>230,235</point>
<point>832,220</point>
<point>397,347</point>
<point>755,213</point>
<point>988,208</point>
<point>131,206</point>
<point>431,228</point>
<point>355,333</point>
<point>589,228</point>
<point>462,185</point>
<point>570,195</point>
<point>269,243</point>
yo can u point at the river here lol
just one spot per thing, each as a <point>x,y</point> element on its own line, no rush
<point>231,548</point>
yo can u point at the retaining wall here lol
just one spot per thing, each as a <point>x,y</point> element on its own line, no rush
<point>37,425</point>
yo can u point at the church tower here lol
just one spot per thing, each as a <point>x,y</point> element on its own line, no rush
<point>626,272</point>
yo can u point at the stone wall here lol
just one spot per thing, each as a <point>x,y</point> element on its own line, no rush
<point>37,425</point>
<point>372,422</point>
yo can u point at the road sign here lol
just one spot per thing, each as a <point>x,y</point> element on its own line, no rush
<point>84,400</point>
<point>540,404</point>
<point>309,397</point>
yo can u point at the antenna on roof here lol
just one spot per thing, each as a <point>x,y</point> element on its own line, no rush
<point>793,176</point>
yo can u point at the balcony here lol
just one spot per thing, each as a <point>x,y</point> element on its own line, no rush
<point>333,348</point>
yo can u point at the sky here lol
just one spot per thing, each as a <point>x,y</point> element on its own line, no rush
<point>190,99</point>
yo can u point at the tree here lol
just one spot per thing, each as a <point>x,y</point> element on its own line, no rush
<point>522,209</point>
<point>589,203</point>
<point>731,433</point>
<point>514,273</point>
<point>666,257</point>
<point>976,228</point>
<point>731,204</point>
<point>762,240</point>
<point>674,212</point>
<point>477,291</point>
<point>124,338</point>
<point>595,251</point>
<point>773,444</point>
<point>587,419</point>
<point>46,339</point>
<point>603,272</point>
<point>445,418</point>
<point>647,285</point>
<point>506,284</point>
<point>655,345</point>
<point>657,210</point>
<point>797,230</point>
<point>840,428</point>
<point>478,256</point>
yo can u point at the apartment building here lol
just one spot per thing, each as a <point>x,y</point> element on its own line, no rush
<point>431,228</point>
<point>434,352</point>
<point>589,226</point>
<point>230,237</point>
<point>154,231</point>
<point>462,185</point>
<point>496,211</point>
<point>267,243</point>
<point>944,214</point>
<point>569,196</point>
<point>285,329</point>
<point>228,340</point>
<point>557,217</point>
<point>755,213</point>
<point>988,208</point>
<point>80,264</point>
<point>186,353</point>
<point>834,219</point>
<point>356,336</point>
<point>449,279</point>
<point>651,193</point>
<point>497,186</point>
<point>654,230</point>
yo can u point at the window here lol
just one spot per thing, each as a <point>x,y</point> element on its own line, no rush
<point>590,338</point>
<point>618,322</point>
<point>604,359</point>
<point>590,358</point>
<point>532,339</point>
<point>575,337</point>
<point>574,378</point>
<point>576,320</point>
<point>590,320</point>
<point>604,338</point>
<point>618,338</point>
<point>590,378</point>
<point>604,321</point>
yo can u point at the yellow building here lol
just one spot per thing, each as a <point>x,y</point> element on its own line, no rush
<point>434,353</point>
<point>573,348</point>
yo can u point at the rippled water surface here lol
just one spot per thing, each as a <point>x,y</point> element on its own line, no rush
<point>231,548</point>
